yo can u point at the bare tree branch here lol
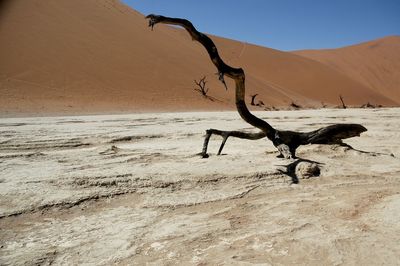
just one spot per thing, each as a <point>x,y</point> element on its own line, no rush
<point>202,86</point>
<point>286,141</point>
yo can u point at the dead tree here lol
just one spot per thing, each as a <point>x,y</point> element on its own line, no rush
<point>253,97</point>
<point>295,106</point>
<point>201,86</point>
<point>341,99</point>
<point>285,141</point>
<point>369,105</point>
<point>259,103</point>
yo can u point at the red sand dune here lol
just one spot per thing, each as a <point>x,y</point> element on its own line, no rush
<point>376,64</point>
<point>71,56</point>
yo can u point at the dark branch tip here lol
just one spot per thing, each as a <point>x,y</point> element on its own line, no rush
<point>221,78</point>
<point>153,20</point>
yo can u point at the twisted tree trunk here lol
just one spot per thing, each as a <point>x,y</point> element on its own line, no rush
<point>286,141</point>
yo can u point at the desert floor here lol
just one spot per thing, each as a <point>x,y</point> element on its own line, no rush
<point>130,190</point>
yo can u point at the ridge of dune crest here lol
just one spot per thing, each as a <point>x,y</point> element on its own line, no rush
<point>375,64</point>
<point>102,57</point>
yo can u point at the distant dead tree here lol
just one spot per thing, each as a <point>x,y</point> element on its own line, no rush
<point>259,103</point>
<point>253,97</point>
<point>369,105</point>
<point>343,104</point>
<point>294,105</point>
<point>201,86</point>
<point>284,140</point>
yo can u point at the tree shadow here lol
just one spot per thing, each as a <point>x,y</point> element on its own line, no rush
<point>290,169</point>
<point>213,99</point>
<point>372,153</point>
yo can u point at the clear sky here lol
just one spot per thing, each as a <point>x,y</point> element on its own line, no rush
<point>285,24</point>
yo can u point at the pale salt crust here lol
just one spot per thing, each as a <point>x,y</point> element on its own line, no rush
<point>130,190</point>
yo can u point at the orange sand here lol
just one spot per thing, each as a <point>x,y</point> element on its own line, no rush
<point>71,56</point>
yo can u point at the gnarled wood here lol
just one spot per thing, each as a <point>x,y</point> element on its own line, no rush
<point>286,141</point>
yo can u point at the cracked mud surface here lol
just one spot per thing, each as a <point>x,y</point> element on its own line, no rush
<point>130,190</point>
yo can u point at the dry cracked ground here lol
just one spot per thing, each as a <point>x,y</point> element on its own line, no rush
<point>130,190</point>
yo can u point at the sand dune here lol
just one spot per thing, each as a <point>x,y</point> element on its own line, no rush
<point>130,190</point>
<point>73,56</point>
<point>376,64</point>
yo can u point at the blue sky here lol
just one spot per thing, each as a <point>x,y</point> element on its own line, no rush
<point>285,24</point>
